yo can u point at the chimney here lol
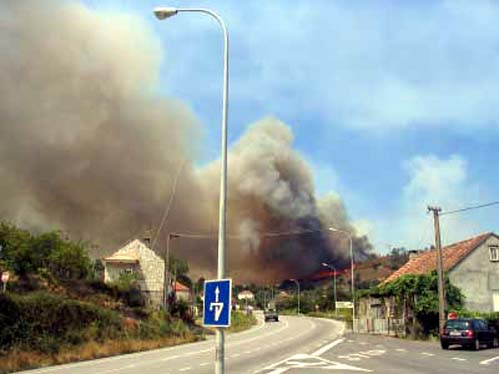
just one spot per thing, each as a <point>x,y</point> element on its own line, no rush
<point>147,238</point>
<point>413,254</point>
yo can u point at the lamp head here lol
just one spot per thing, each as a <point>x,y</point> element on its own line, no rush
<point>164,12</point>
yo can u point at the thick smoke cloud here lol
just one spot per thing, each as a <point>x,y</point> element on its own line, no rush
<point>88,146</point>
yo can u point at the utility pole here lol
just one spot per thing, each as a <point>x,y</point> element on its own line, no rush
<point>440,267</point>
<point>167,278</point>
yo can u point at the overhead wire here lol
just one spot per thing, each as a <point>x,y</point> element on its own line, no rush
<point>469,208</point>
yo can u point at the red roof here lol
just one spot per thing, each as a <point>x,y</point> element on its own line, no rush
<point>179,287</point>
<point>452,255</point>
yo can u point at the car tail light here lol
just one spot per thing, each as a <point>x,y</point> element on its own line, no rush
<point>468,333</point>
<point>446,331</point>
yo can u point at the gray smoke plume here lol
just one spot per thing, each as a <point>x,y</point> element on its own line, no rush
<point>88,146</point>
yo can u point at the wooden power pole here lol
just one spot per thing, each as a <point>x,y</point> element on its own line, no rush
<point>440,267</point>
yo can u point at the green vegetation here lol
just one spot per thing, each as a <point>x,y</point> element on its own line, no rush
<point>241,321</point>
<point>56,308</point>
<point>419,294</point>
<point>25,253</point>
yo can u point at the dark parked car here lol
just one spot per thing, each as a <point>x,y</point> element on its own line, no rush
<point>271,314</point>
<point>468,332</point>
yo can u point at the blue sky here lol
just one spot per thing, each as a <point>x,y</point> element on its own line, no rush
<point>393,104</point>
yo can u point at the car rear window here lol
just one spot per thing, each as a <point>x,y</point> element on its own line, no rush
<point>457,324</point>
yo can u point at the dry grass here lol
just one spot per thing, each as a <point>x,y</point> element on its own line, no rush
<point>20,360</point>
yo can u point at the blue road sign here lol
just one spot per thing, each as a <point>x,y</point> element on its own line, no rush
<point>217,302</point>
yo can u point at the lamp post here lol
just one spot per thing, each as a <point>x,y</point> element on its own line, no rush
<point>162,13</point>
<point>346,233</point>
<point>331,267</point>
<point>297,285</point>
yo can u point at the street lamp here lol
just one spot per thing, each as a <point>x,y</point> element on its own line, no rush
<point>346,233</point>
<point>298,285</point>
<point>162,13</point>
<point>331,267</point>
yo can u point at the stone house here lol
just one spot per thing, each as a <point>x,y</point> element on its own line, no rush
<point>138,259</point>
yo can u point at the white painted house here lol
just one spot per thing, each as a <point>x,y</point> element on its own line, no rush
<point>137,258</point>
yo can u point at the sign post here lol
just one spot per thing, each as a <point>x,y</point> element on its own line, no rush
<point>344,305</point>
<point>217,303</point>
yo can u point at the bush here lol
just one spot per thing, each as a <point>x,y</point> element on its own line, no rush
<point>126,288</point>
<point>241,321</point>
<point>44,322</point>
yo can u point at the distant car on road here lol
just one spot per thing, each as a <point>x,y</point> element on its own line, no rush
<point>468,332</point>
<point>271,315</point>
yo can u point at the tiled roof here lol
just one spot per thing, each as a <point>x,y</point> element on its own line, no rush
<point>179,287</point>
<point>452,255</point>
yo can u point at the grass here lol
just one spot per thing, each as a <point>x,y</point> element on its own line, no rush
<point>23,360</point>
<point>241,321</point>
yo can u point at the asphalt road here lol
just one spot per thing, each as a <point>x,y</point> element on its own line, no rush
<point>379,354</point>
<point>246,352</point>
<point>296,345</point>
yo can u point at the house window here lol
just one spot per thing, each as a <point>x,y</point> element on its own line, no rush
<point>494,253</point>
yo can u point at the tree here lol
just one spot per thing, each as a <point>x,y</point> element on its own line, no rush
<point>25,253</point>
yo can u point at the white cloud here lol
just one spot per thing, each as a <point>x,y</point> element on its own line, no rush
<point>437,182</point>
<point>373,66</point>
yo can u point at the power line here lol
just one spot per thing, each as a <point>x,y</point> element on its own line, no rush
<point>470,208</point>
<point>264,234</point>
<point>168,205</point>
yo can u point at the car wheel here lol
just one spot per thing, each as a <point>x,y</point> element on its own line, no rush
<point>444,345</point>
<point>476,345</point>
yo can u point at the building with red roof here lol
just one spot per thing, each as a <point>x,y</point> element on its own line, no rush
<point>471,264</point>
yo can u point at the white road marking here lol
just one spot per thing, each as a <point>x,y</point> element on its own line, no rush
<point>363,343</point>
<point>374,352</point>
<point>327,347</point>
<point>278,371</point>
<point>247,352</point>
<point>117,369</point>
<point>486,362</point>
<point>401,350</point>
<point>170,358</point>
<point>459,359</point>
<point>303,361</point>
<point>427,354</point>
<point>204,364</point>
<point>185,369</point>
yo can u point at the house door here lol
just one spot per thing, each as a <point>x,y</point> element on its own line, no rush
<point>495,299</point>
